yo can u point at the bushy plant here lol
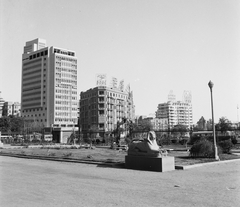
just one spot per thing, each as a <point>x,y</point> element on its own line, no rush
<point>202,148</point>
<point>51,154</point>
<point>226,145</point>
<point>234,140</point>
<point>69,154</point>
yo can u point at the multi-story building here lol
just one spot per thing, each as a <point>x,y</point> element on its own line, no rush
<point>1,105</point>
<point>10,108</point>
<point>175,113</point>
<point>103,107</point>
<point>49,87</point>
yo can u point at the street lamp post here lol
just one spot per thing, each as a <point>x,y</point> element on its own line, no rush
<point>210,84</point>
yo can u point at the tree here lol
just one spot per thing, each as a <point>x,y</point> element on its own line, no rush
<point>223,125</point>
<point>92,132</point>
<point>180,130</point>
<point>11,124</point>
<point>144,125</point>
<point>209,124</point>
<point>201,124</point>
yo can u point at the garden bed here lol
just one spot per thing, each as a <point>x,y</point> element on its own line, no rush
<point>105,154</point>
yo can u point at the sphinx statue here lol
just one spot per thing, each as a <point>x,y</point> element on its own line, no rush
<point>146,147</point>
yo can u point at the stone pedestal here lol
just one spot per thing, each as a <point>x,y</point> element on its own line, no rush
<point>158,164</point>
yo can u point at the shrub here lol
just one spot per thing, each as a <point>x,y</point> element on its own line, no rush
<point>51,154</point>
<point>234,140</point>
<point>202,148</point>
<point>226,145</point>
<point>69,154</point>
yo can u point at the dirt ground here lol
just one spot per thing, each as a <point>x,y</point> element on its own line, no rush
<point>40,183</point>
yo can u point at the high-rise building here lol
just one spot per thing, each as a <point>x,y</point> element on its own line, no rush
<point>103,107</point>
<point>176,112</point>
<point>49,87</point>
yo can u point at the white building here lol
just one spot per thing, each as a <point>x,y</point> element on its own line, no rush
<point>49,87</point>
<point>176,112</point>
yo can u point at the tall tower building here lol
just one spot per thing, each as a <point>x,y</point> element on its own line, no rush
<point>49,88</point>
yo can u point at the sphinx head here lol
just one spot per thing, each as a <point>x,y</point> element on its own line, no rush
<point>151,138</point>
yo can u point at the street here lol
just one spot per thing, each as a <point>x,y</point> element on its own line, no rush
<point>26,182</point>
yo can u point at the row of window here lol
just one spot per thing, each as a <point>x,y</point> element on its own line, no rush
<point>66,103</point>
<point>30,110</point>
<point>64,52</point>
<point>33,82</point>
<point>61,85</point>
<point>66,114</point>
<point>65,91</point>
<point>39,54</point>
<point>58,80</point>
<point>38,120</point>
<point>111,94</point>
<point>65,108</point>
<point>65,120</point>
<point>58,69</point>
<point>66,97</point>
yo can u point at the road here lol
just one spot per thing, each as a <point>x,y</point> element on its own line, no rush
<point>26,182</point>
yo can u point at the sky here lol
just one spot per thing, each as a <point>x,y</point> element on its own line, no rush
<point>156,46</point>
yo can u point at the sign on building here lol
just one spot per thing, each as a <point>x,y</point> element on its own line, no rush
<point>101,80</point>
<point>114,83</point>
<point>121,85</point>
<point>187,96</point>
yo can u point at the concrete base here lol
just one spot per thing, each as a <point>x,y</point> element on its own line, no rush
<point>159,164</point>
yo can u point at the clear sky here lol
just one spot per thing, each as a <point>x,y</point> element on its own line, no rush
<point>154,45</point>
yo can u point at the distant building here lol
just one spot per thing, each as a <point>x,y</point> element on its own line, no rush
<point>156,123</point>
<point>10,108</point>
<point>176,112</point>
<point>49,87</point>
<point>103,107</point>
<point>1,105</point>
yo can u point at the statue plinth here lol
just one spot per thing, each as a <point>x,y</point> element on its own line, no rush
<point>158,164</point>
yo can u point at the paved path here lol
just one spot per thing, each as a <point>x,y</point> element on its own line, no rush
<point>25,182</point>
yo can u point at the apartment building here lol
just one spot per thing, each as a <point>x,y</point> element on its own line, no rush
<point>176,112</point>
<point>103,107</point>
<point>49,87</point>
<point>11,108</point>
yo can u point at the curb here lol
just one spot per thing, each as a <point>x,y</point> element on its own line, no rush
<point>179,167</point>
<point>61,159</point>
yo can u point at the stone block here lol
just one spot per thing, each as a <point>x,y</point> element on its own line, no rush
<point>158,164</point>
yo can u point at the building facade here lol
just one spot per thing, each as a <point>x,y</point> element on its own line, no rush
<point>176,112</point>
<point>11,108</point>
<point>49,87</point>
<point>103,107</point>
<point>1,105</point>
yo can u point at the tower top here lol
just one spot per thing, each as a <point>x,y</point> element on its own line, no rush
<point>34,45</point>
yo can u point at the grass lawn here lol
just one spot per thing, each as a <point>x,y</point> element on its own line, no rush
<point>109,155</point>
